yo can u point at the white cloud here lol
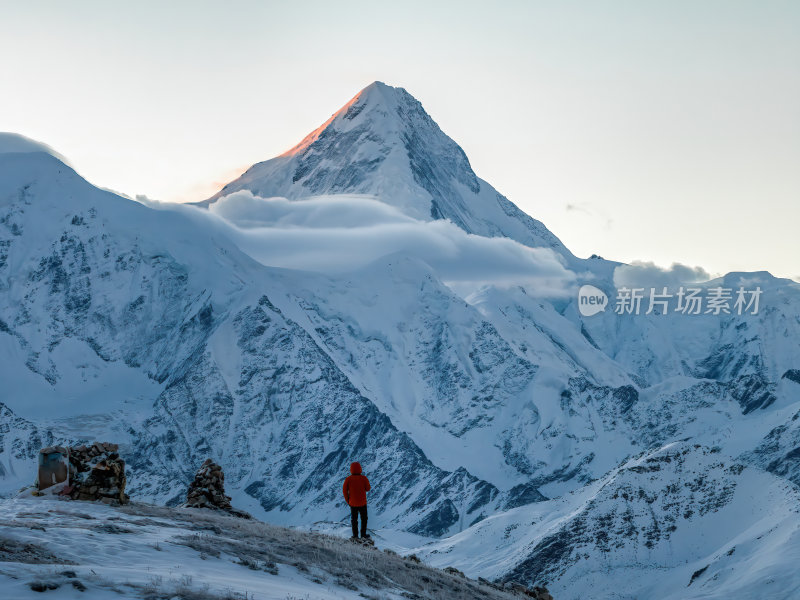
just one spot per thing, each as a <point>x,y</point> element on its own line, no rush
<point>340,234</point>
<point>647,274</point>
<point>341,211</point>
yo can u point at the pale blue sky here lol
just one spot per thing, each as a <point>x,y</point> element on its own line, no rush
<point>664,131</point>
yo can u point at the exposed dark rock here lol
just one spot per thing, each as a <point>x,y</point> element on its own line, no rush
<point>792,375</point>
<point>438,521</point>
<point>626,396</point>
<point>752,392</point>
<point>697,574</point>
<point>524,493</point>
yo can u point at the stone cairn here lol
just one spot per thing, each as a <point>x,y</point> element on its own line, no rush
<point>208,491</point>
<point>96,472</point>
<point>208,488</point>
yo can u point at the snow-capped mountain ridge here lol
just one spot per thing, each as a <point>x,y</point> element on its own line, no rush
<point>100,292</point>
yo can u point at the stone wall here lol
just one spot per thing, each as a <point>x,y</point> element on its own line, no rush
<point>97,472</point>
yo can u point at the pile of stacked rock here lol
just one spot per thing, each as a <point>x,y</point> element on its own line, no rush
<point>208,490</point>
<point>96,472</point>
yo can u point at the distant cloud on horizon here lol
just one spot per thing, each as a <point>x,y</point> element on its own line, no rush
<point>641,274</point>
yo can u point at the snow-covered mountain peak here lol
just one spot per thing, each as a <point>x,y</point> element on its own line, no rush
<point>384,144</point>
<point>381,103</point>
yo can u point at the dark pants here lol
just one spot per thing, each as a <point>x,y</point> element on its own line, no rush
<point>354,512</point>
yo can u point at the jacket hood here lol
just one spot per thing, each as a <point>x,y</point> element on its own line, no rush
<point>355,468</point>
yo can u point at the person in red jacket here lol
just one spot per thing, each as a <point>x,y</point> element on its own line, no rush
<point>355,490</point>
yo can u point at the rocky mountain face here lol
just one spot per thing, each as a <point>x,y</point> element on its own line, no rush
<point>642,455</point>
<point>110,292</point>
<point>682,521</point>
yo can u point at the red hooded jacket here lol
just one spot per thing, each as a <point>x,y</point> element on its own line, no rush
<point>356,486</point>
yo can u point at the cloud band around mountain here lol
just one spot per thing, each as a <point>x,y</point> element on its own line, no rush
<point>339,234</point>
